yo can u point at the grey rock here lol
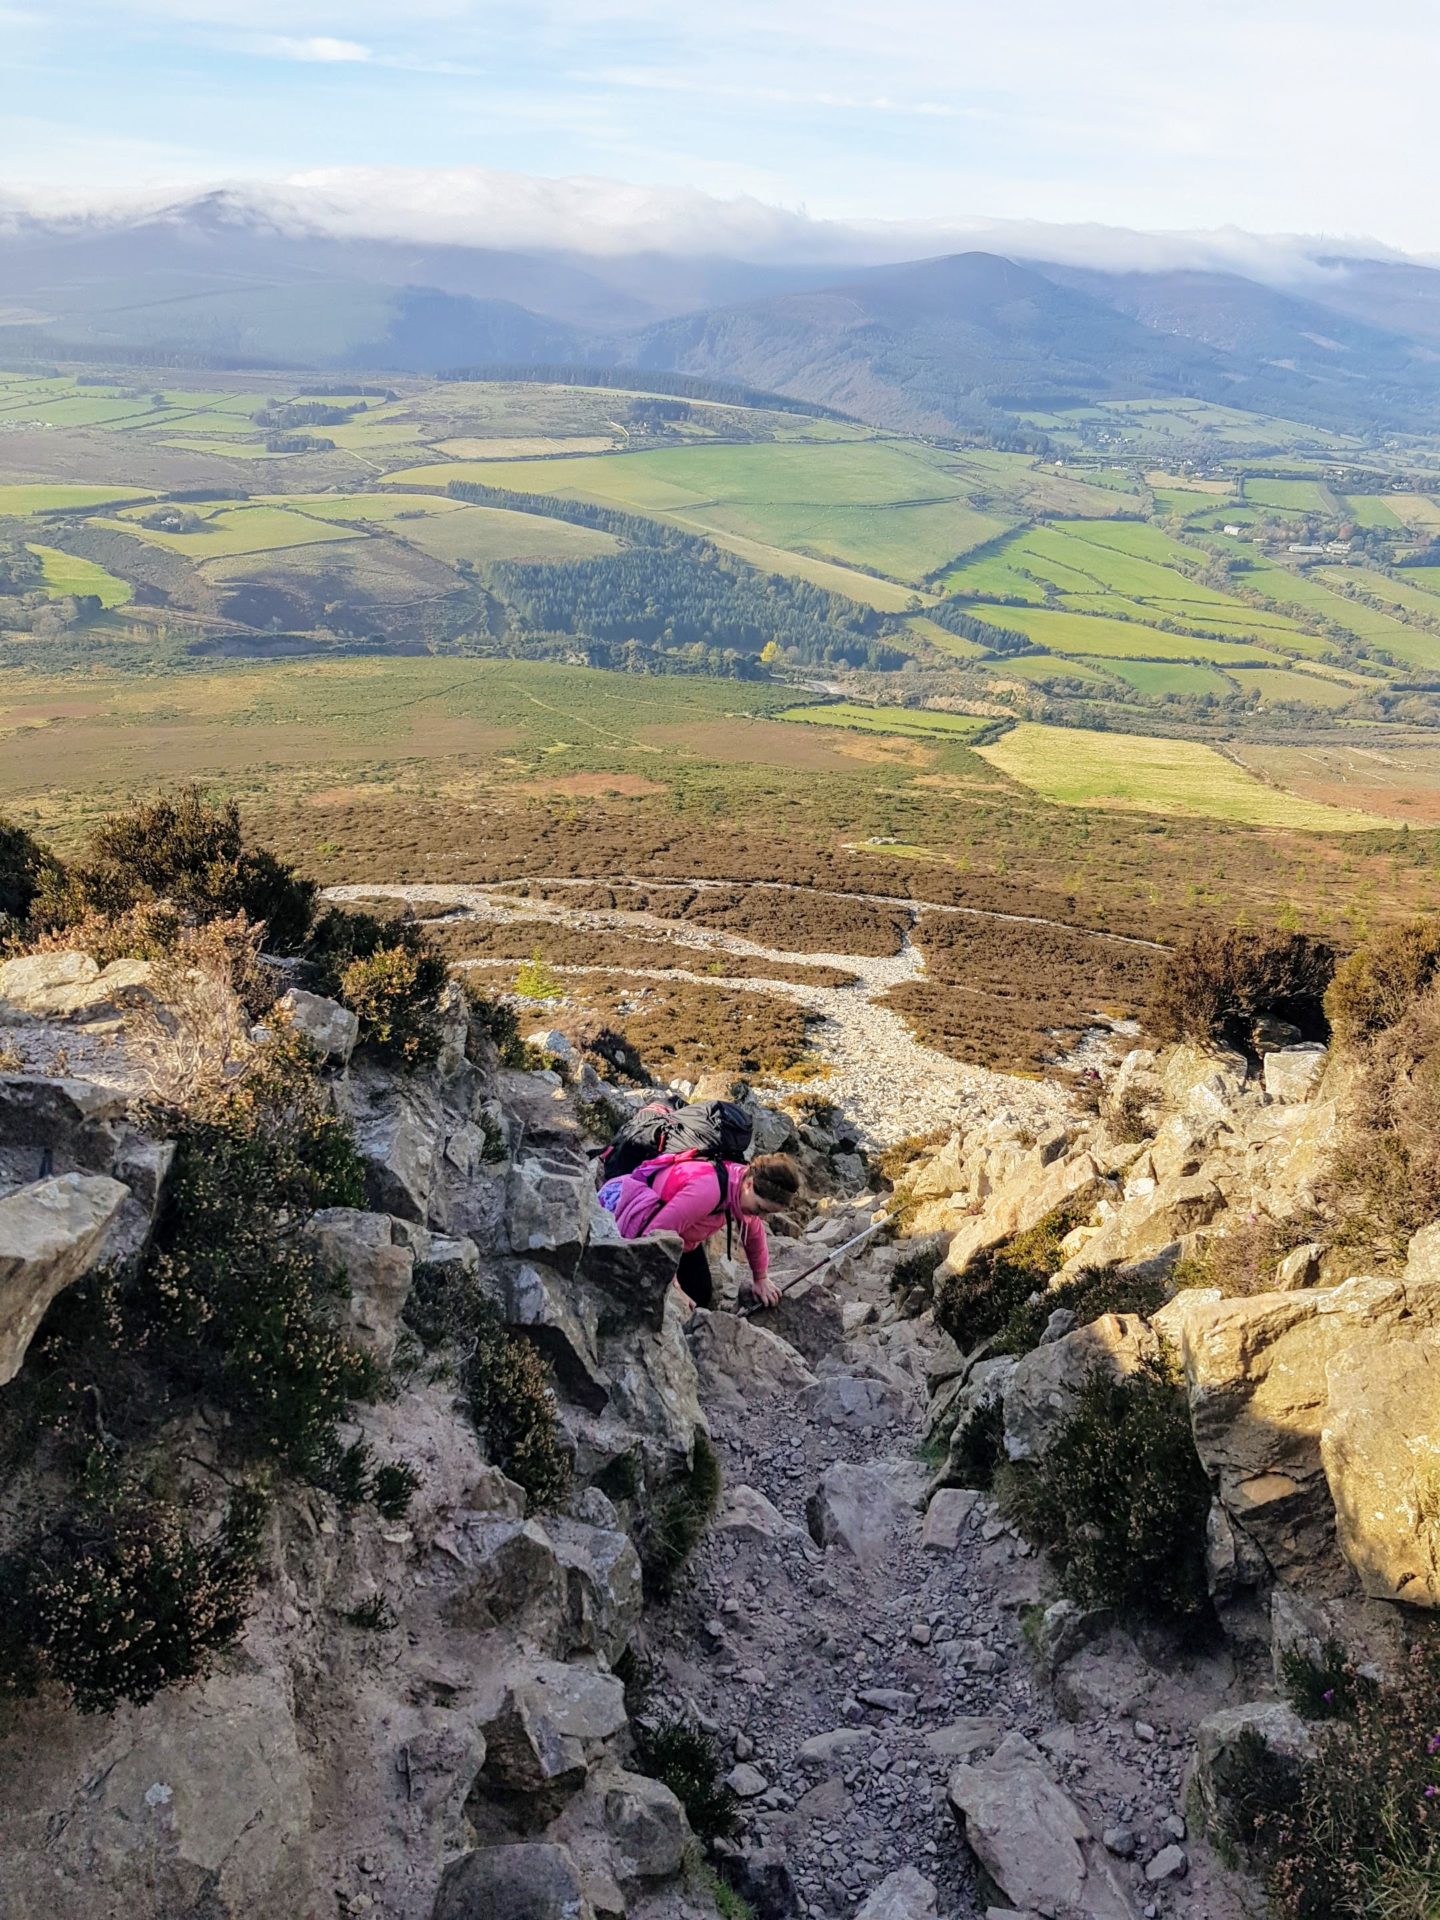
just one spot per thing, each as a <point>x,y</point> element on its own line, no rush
<point>549,1727</point>
<point>738,1361</point>
<point>1120,1841</point>
<point>1293,1074</point>
<point>329,1028</point>
<point>1042,1392</point>
<point>824,1751</point>
<point>966,1739</point>
<point>379,1267</point>
<point>647,1827</point>
<point>633,1275</point>
<point>536,1882</point>
<point>1171,1863</point>
<point>600,1570</point>
<point>903,1895</point>
<point>399,1130</point>
<point>1225,1741</point>
<point>746,1781</point>
<point>745,1511</point>
<point>562,1318</point>
<point>51,1233</point>
<point>863,1506</point>
<point>946,1518</point>
<point>549,1204</point>
<point>850,1400</point>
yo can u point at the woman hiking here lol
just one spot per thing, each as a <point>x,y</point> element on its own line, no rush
<point>694,1197</point>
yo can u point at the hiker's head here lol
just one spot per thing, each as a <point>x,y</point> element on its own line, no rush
<point>771,1184</point>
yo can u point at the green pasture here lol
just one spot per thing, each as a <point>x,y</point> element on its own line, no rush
<point>952,643</point>
<point>20,501</point>
<point>1407,591</point>
<point>900,720</point>
<point>1157,678</point>
<point>1061,632</point>
<point>1077,768</point>
<point>66,573</point>
<point>1287,496</point>
<point>1370,510</point>
<point>480,534</point>
<point>1274,684</point>
<point>1303,589</point>
<point>232,530</point>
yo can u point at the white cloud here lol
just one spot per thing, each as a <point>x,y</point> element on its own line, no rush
<point>318,48</point>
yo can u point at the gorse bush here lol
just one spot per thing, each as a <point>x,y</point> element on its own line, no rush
<point>536,980</point>
<point>1360,1840</point>
<point>189,853</point>
<point>1215,986</point>
<point>120,1600</point>
<point>504,1378</point>
<point>1119,1498</point>
<point>390,978</point>
<point>973,1305</point>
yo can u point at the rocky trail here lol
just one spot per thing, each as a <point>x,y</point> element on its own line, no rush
<point>890,1084</point>
<point>848,1649</point>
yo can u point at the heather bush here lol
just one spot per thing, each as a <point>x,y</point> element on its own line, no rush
<point>687,1761</point>
<point>1361,1838</point>
<point>973,1305</point>
<point>23,862</point>
<point>1092,1292</point>
<point>504,1378</point>
<point>1214,987</point>
<point>1242,1259</point>
<point>119,1599</point>
<point>675,1525</point>
<point>1119,1498</point>
<point>1376,987</point>
<point>1384,1181</point>
<point>388,975</point>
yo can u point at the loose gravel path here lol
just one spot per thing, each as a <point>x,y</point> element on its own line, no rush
<point>889,1083</point>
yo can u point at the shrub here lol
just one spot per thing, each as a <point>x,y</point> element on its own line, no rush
<point>685,1759</point>
<point>1127,1116</point>
<point>1120,1499</point>
<point>1361,1838</point>
<point>504,1378</point>
<point>917,1267</point>
<point>1384,1179</point>
<point>497,1023</point>
<point>1092,1292</point>
<point>120,1600</point>
<point>392,1489</point>
<point>1243,1259</point>
<point>973,1305</point>
<point>232,1298</point>
<point>1376,988</point>
<point>1323,1689</point>
<point>537,981</point>
<point>192,854</point>
<point>390,978</point>
<point>23,861</point>
<point>1215,986</point>
<point>676,1524</point>
<point>977,1448</point>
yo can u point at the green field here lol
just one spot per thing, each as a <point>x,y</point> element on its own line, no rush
<point>1062,632</point>
<point>42,497</point>
<point>901,720</point>
<point>886,506</point>
<point>1284,684</point>
<point>1157,678</point>
<point>1303,589</point>
<point>1407,591</point>
<point>1133,772</point>
<point>66,574</point>
<point>1287,496</point>
<point>234,530</point>
<point>1370,510</point>
<point>480,534</point>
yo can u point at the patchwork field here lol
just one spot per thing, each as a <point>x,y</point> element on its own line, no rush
<point>895,720</point>
<point>66,574</point>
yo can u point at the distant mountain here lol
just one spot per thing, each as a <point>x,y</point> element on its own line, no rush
<point>932,346</point>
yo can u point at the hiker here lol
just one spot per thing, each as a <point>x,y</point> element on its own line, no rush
<point>694,1197</point>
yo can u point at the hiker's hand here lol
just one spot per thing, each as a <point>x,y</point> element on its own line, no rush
<point>685,1300</point>
<point>765,1292</point>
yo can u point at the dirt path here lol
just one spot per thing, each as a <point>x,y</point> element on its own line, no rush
<point>845,1680</point>
<point>890,1084</point>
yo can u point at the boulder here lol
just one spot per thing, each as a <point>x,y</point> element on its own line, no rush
<point>738,1361</point>
<point>833,1752</point>
<point>977,1735</point>
<point>51,1233</point>
<point>379,1266</point>
<point>984,1388</point>
<point>647,1826</point>
<point>549,1201</point>
<point>1225,1744</point>
<point>1032,1839</point>
<point>510,1574</point>
<point>1380,1445</point>
<point>1204,1080</point>
<point>536,1882</point>
<point>399,1128</point>
<point>864,1506</point>
<point>70,986</point>
<point>548,1729</point>
<point>601,1573</point>
<point>946,1518</point>
<point>1020,1203</point>
<point>1256,1374</point>
<point>1293,1074</point>
<point>771,1131</point>
<point>633,1275</point>
<point>1041,1394</point>
<point>854,1401</point>
<point>903,1895</point>
<point>550,1040</point>
<point>562,1318</point>
<point>654,1392</point>
<point>329,1028</point>
<point>746,1511</point>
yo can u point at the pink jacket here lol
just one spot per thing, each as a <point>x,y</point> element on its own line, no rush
<point>691,1204</point>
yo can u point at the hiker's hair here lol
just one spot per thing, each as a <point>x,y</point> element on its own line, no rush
<point>776,1179</point>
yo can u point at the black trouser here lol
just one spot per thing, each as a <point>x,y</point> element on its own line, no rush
<point>693,1273</point>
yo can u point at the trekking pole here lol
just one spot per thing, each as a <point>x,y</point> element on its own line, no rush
<point>834,1254</point>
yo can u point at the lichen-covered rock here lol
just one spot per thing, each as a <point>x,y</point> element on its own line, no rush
<point>549,1203</point>
<point>1020,1203</point>
<point>399,1128</point>
<point>1380,1444</point>
<point>1032,1839</point>
<point>51,1233</point>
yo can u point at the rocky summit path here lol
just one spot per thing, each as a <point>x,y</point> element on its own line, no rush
<point>890,1084</point>
<point>846,1651</point>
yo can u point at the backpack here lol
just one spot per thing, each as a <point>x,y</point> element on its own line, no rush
<point>635,1198</point>
<point>717,1130</point>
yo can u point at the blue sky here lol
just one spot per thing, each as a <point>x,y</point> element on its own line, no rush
<point>1270,115</point>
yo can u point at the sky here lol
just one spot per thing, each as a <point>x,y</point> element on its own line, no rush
<point>1272,116</point>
